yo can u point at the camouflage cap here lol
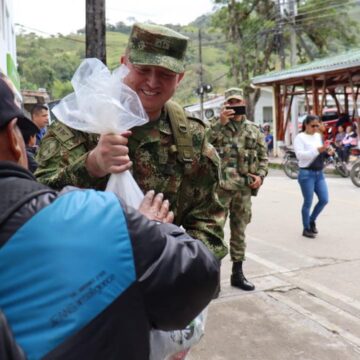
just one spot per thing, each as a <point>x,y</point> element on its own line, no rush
<point>157,45</point>
<point>233,93</point>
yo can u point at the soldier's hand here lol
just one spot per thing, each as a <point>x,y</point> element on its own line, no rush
<point>226,115</point>
<point>154,207</point>
<point>256,181</point>
<point>110,156</point>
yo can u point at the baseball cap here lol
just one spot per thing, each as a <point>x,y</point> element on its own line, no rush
<point>9,110</point>
<point>233,93</point>
<point>157,45</point>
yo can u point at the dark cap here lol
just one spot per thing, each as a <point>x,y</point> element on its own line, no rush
<point>9,110</point>
<point>157,45</point>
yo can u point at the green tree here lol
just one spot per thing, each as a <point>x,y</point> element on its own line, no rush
<point>61,88</point>
<point>258,29</point>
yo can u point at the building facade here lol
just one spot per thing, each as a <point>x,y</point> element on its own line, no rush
<point>8,43</point>
<point>263,108</point>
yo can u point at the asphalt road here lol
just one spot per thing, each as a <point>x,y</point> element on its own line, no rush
<point>306,305</point>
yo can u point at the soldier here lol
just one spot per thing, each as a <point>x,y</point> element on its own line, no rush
<point>243,154</point>
<point>170,154</point>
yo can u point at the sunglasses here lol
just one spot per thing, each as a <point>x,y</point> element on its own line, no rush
<point>315,126</point>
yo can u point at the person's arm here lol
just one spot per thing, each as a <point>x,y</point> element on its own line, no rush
<point>262,156</point>
<point>9,350</point>
<point>214,131</point>
<point>63,163</point>
<point>70,157</point>
<point>202,212</point>
<point>176,273</point>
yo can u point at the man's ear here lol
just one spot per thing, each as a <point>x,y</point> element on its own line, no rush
<point>180,77</point>
<point>123,59</point>
<point>16,142</point>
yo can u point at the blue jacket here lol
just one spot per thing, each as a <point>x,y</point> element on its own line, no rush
<point>83,276</point>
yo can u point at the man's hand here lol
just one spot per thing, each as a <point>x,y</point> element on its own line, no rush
<point>257,182</point>
<point>226,115</point>
<point>110,156</point>
<point>156,208</point>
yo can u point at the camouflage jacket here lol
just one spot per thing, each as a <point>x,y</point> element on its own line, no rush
<point>190,187</point>
<point>242,150</point>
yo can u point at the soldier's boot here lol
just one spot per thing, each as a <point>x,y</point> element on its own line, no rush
<point>238,278</point>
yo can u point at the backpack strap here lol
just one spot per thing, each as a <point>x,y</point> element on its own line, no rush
<point>17,192</point>
<point>181,130</point>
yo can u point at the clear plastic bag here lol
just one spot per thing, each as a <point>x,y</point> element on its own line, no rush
<point>175,345</point>
<point>102,104</point>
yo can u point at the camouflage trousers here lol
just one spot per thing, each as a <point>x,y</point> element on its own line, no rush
<point>238,203</point>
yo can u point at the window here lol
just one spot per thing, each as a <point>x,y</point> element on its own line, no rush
<point>267,114</point>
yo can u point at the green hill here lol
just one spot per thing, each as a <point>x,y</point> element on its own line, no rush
<point>50,62</point>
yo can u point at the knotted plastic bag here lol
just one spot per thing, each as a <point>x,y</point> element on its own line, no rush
<point>175,345</point>
<point>102,104</point>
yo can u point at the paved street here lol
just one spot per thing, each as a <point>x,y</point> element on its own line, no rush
<point>307,300</point>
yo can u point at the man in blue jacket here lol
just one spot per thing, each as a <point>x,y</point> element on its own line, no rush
<point>83,276</point>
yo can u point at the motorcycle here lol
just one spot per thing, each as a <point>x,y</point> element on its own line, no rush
<point>355,169</point>
<point>290,163</point>
<point>291,166</point>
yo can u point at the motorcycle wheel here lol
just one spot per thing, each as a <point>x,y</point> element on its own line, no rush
<point>355,174</point>
<point>291,168</point>
<point>342,169</point>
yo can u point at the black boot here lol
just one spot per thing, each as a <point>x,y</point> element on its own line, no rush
<point>308,233</point>
<point>238,278</point>
<point>313,227</point>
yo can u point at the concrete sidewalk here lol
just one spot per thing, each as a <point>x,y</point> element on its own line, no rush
<point>306,303</point>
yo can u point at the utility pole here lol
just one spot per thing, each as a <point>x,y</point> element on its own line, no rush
<point>292,12</point>
<point>95,29</point>
<point>280,34</point>
<point>201,88</point>
<point>292,7</point>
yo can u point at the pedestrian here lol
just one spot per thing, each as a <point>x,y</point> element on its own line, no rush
<point>40,117</point>
<point>311,153</point>
<point>169,154</point>
<point>29,136</point>
<point>349,141</point>
<point>269,140</point>
<point>244,164</point>
<point>83,276</point>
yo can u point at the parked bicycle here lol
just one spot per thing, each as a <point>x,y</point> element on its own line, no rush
<point>291,166</point>
<point>355,169</point>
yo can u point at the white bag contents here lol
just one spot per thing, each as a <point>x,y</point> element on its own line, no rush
<point>102,104</point>
<point>174,345</point>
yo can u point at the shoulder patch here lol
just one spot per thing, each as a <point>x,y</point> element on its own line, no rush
<point>49,147</point>
<point>62,132</point>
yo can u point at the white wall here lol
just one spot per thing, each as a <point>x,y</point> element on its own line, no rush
<point>263,108</point>
<point>7,33</point>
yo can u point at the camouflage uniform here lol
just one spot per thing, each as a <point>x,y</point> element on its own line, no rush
<point>242,150</point>
<point>188,186</point>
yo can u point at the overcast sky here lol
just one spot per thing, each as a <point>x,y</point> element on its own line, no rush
<point>65,16</point>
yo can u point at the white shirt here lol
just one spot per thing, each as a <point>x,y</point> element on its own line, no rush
<point>306,148</point>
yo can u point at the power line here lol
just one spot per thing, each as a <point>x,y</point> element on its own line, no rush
<point>52,35</point>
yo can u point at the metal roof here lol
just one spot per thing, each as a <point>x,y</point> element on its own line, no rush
<point>342,61</point>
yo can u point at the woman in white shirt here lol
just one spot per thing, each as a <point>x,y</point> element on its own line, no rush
<point>310,152</point>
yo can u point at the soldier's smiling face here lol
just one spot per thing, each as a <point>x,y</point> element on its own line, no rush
<point>154,85</point>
